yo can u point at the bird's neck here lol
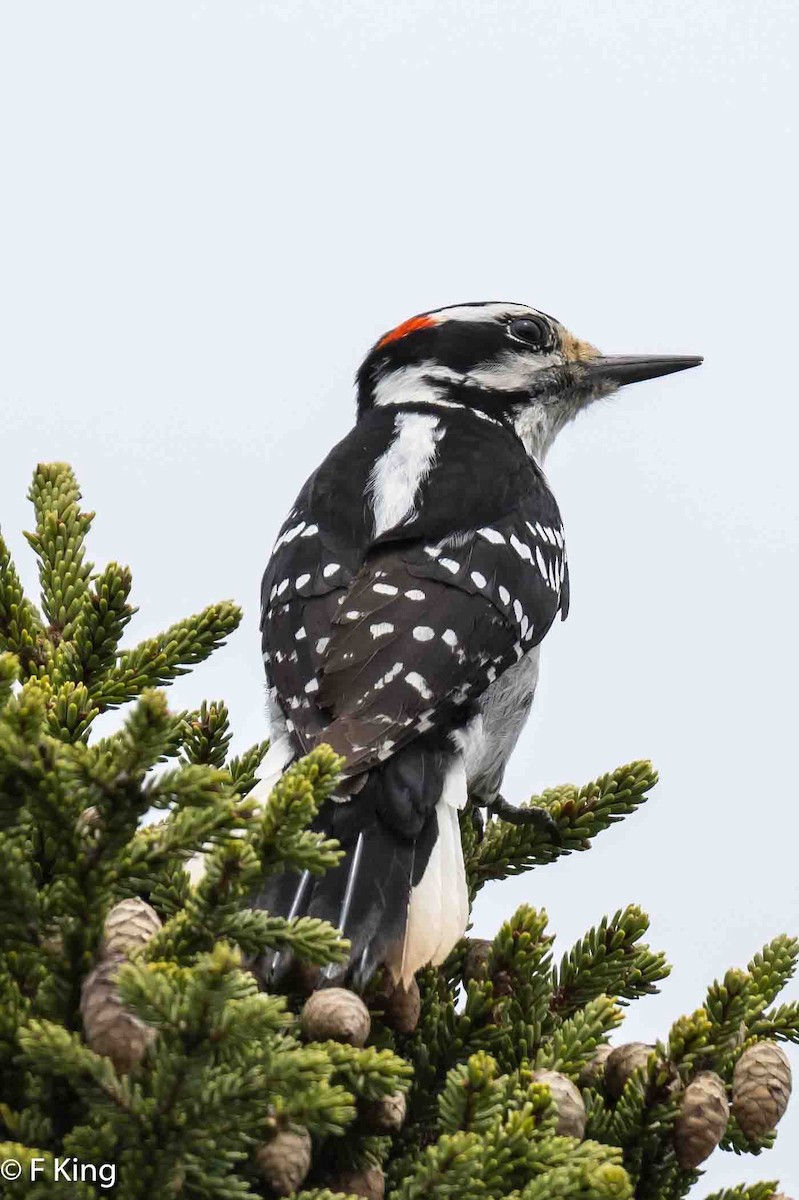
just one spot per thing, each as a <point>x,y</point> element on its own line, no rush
<point>422,383</point>
<point>538,424</point>
<point>435,386</point>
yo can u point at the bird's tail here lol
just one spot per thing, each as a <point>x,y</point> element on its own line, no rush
<point>438,910</point>
<point>399,893</point>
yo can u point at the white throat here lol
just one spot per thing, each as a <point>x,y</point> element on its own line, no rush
<point>535,431</point>
<point>538,424</point>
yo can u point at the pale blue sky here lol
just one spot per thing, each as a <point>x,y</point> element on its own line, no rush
<point>208,213</point>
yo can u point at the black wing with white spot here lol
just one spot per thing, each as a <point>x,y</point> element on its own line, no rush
<point>517,564</point>
<point>318,552</point>
<point>300,593</point>
<point>406,656</point>
<point>376,640</point>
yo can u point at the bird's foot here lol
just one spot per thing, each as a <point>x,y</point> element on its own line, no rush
<point>478,820</point>
<point>529,815</point>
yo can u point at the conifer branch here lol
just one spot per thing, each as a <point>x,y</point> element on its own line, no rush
<point>244,766</point>
<point>21,626</point>
<point>324,1194</point>
<point>207,735</point>
<point>9,675</point>
<point>58,542</point>
<point>281,838</point>
<point>781,1023</point>
<point>744,1191</point>
<point>167,656</point>
<point>772,968</point>
<point>580,814</point>
<point>309,938</point>
<point>609,960</point>
<point>573,1042</point>
<point>132,1030</point>
<point>99,623</point>
<point>58,1052</point>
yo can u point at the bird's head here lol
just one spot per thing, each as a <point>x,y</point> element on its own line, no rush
<point>507,361</point>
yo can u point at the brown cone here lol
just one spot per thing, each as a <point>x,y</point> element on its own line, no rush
<point>403,1007</point>
<point>593,1072</point>
<point>568,1102</point>
<point>369,1182</point>
<point>110,1028</point>
<point>88,822</point>
<point>386,1115</point>
<point>129,924</point>
<point>621,1063</point>
<point>285,1160</point>
<point>761,1088</point>
<point>702,1119</point>
<point>475,963</point>
<point>52,940</point>
<point>335,1014</point>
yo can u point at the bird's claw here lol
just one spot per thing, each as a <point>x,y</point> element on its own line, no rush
<point>478,822</point>
<point>530,815</point>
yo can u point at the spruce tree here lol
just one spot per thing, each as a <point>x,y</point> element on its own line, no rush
<point>133,1034</point>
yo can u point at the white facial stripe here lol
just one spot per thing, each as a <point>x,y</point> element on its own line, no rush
<point>412,384</point>
<point>398,473</point>
<point>421,384</point>
<point>513,370</point>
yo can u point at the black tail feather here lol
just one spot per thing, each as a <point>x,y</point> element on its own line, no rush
<point>387,831</point>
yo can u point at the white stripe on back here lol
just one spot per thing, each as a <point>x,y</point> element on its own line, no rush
<point>399,472</point>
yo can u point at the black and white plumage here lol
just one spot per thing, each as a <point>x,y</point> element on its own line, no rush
<point>404,603</point>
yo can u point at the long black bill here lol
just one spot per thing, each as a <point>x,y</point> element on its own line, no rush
<point>634,368</point>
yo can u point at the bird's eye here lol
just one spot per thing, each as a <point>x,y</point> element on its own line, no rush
<point>533,331</point>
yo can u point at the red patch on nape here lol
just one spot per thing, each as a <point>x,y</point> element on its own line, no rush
<point>409,326</point>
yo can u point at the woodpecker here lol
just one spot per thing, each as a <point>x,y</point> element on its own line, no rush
<point>403,608</point>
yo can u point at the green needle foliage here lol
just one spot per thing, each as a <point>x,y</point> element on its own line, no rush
<point>223,1068</point>
<point>580,814</point>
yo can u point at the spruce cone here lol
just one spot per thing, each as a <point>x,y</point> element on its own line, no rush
<point>129,924</point>
<point>702,1119</point>
<point>386,1115</point>
<point>403,1007</point>
<point>593,1072</point>
<point>335,1014</point>
<point>52,940</point>
<point>621,1063</point>
<point>475,963</point>
<point>369,1182</point>
<point>285,1160</point>
<point>761,1088</point>
<point>109,1027</point>
<point>88,822</point>
<point>567,1101</point>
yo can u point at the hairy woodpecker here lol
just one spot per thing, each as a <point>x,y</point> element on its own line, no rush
<point>403,608</point>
